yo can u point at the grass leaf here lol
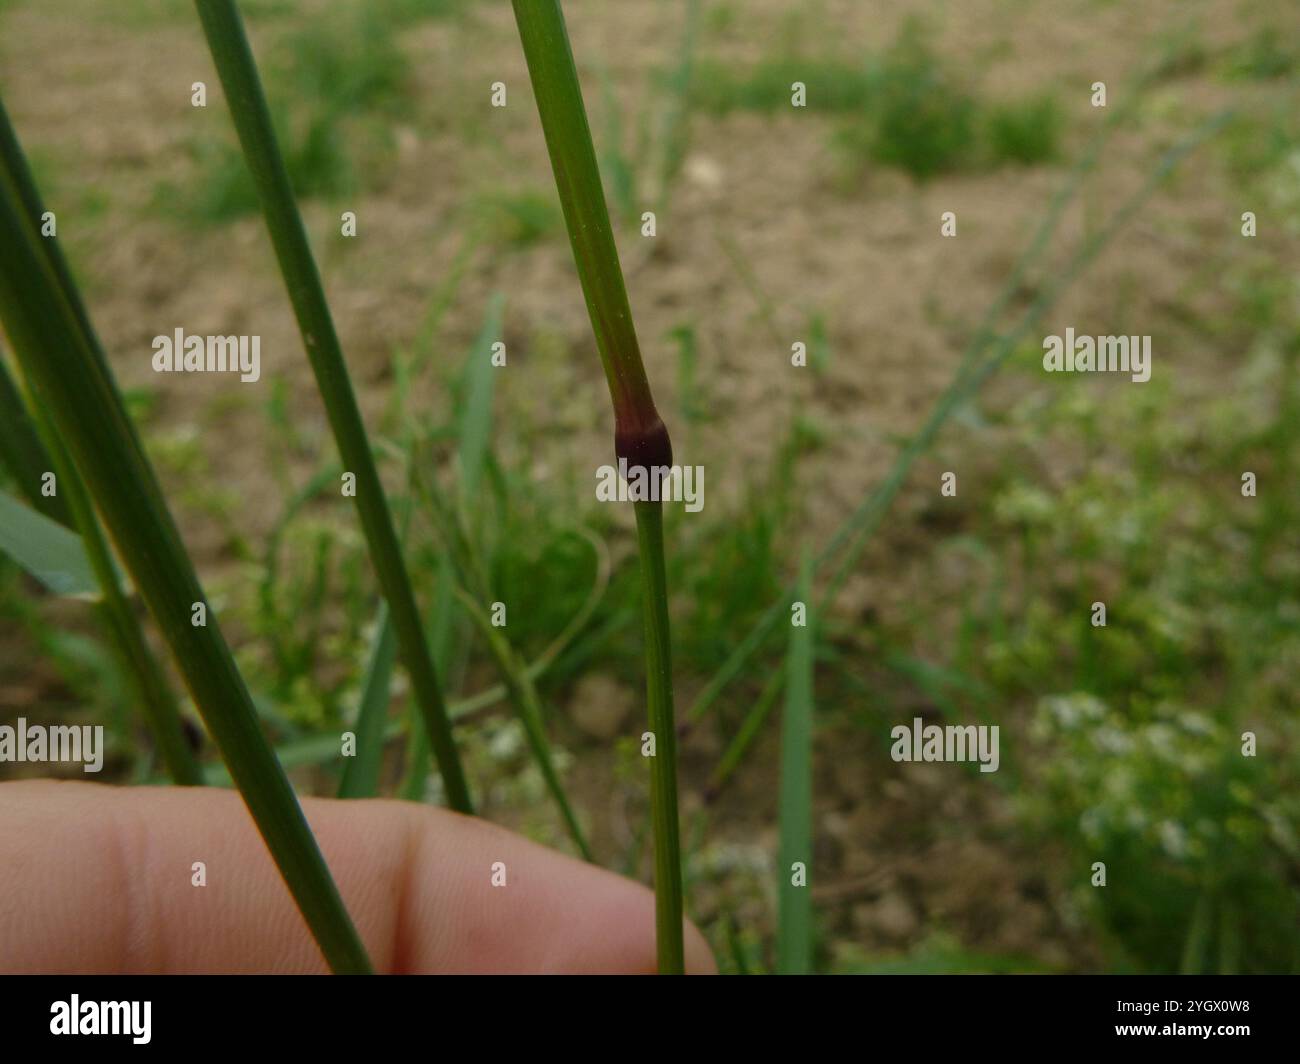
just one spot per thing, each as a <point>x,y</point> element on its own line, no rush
<point>473,432</point>
<point>529,709</point>
<point>361,773</point>
<point>476,419</point>
<point>248,107</point>
<point>46,550</point>
<point>22,451</point>
<point>794,921</point>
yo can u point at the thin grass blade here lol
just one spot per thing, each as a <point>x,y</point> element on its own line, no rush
<point>473,432</point>
<point>22,452</point>
<point>745,735</point>
<point>794,918</point>
<point>475,428</point>
<point>46,550</point>
<point>528,706</point>
<point>361,773</point>
<point>237,70</point>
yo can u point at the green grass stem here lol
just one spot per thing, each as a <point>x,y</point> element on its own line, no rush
<point>663,766</point>
<point>248,108</point>
<point>639,435</point>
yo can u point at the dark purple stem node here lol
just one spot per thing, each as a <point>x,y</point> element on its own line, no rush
<point>644,445</point>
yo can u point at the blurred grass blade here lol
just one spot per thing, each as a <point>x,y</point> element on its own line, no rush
<point>794,921</point>
<point>243,89</point>
<point>361,773</point>
<point>675,140</point>
<point>1197,941</point>
<point>23,453</point>
<point>61,360</point>
<point>749,729</point>
<point>473,432</point>
<point>1229,939</point>
<point>46,550</point>
<point>443,636</point>
<point>529,708</point>
<point>320,748</point>
<point>640,437</point>
<point>476,420</point>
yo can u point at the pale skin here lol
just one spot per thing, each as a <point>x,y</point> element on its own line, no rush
<point>98,879</point>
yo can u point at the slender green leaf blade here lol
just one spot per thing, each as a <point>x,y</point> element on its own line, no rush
<point>794,921</point>
<point>746,733</point>
<point>22,451</point>
<point>46,550</point>
<point>529,709</point>
<point>361,773</point>
<point>237,70</point>
<point>473,433</point>
<point>476,420</point>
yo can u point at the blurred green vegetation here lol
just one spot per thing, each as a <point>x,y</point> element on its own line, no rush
<point>1138,730</point>
<point>905,108</point>
<point>1025,132</point>
<point>346,77</point>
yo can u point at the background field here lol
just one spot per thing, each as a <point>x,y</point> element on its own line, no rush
<point>774,225</point>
